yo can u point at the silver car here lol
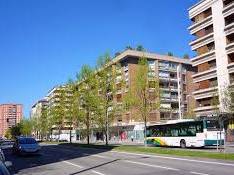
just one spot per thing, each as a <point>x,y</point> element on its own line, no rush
<point>26,145</point>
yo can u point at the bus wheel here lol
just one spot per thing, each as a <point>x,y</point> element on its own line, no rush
<point>182,143</point>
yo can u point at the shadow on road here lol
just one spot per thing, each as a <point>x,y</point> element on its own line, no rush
<point>52,154</point>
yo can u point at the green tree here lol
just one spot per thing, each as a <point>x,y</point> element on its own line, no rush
<point>16,130</point>
<point>58,109</point>
<point>8,134</point>
<point>89,97</point>
<point>186,56</point>
<point>26,127</point>
<point>170,54</point>
<point>140,48</point>
<point>128,48</point>
<point>106,89</point>
<point>144,95</point>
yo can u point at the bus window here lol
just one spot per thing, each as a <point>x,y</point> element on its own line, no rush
<point>212,125</point>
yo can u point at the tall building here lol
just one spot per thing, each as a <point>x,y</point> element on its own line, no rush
<point>37,108</point>
<point>10,115</point>
<point>174,75</point>
<point>213,29</point>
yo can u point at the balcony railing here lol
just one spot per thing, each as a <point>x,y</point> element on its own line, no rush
<point>200,25</point>
<point>228,9</point>
<point>202,41</point>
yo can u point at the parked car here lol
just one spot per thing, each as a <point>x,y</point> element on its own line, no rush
<point>24,145</point>
<point>6,145</point>
<point>4,165</point>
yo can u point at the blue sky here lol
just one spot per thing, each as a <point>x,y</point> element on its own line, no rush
<point>45,42</point>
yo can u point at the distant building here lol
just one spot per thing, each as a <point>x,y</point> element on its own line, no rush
<point>10,115</point>
<point>36,110</point>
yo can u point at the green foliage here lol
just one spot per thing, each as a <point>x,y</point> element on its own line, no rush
<point>186,56</point>
<point>170,54</point>
<point>26,127</point>
<point>106,89</point>
<point>128,48</point>
<point>88,89</point>
<point>144,95</point>
<point>8,134</point>
<point>16,130</point>
<point>140,48</point>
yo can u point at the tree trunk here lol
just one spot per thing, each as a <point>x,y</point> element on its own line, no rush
<point>107,128</point>
<point>70,135</point>
<point>87,123</point>
<point>145,122</point>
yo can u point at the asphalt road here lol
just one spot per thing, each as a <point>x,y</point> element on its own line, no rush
<point>62,160</point>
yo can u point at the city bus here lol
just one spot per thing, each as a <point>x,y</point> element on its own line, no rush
<point>185,133</point>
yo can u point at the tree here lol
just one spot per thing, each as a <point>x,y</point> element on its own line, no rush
<point>88,96</point>
<point>128,48</point>
<point>26,127</point>
<point>8,134</point>
<point>106,87</point>
<point>74,114</point>
<point>186,56</point>
<point>16,130</point>
<point>170,54</point>
<point>58,109</point>
<point>44,123</point>
<point>144,95</point>
<point>140,48</point>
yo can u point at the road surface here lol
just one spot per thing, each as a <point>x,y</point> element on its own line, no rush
<point>63,160</point>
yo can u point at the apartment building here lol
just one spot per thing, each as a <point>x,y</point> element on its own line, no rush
<point>213,29</point>
<point>10,115</point>
<point>173,75</point>
<point>175,83</point>
<point>53,99</point>
<point>37,108</point>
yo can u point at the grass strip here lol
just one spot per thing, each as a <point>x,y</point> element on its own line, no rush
<point>158,150</point>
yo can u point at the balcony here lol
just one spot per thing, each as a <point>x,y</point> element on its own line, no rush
<point>209,56</point>
<point>211,70</point>
<point>228,9</point>
<point>230,48</point>
<point>229,29</point>
<point>202,41</point>
<point>209,75</point>
<point>205,93</point>
<point>200,25</point>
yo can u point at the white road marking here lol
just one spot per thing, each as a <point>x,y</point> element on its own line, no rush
<point>176,158</point>
<point>150,165</point>
<point>193,172</point>
<point>96,172</point>
<point>73,164</point>
<point>93,155</point>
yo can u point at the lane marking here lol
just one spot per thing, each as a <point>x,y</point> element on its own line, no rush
<point>96,172</point>
<point>99,156</point>
<point>175,158</point>
<point>73,164</point>
<point>150,165</point>
<point>193,172</point>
